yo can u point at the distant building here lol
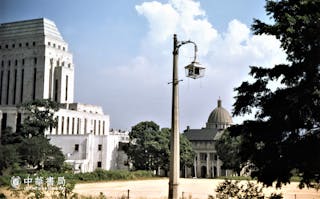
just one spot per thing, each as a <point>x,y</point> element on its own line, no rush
<point>36,64</point>
<point>207,163</point>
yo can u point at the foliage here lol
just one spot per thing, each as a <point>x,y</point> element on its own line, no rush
<point>39,153</point>
<point>237,190</point>
<point>284,136</point>
<point>8,158</point>
<point>149,147</point>
<point>187,153</point>
<point>40,116</point>
<point>143,149</point>
<point>28,146</point>
<point>228,151</point>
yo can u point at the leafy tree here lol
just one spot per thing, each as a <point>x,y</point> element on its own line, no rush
<point>143,148</point>
<point>149,147</point>
<point>228,151</point>
<point>39,117</point>
<point>39,153</point>
<point>284,136</point>
<point>187,153</point>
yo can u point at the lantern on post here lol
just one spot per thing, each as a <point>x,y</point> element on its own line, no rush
<point>194,70</point>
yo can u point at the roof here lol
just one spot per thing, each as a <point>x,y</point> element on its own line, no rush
<point>204,134</point>
<point>27,28</point>
<point>219,115</point>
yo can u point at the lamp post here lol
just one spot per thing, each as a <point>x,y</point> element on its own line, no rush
<point>193,70</point>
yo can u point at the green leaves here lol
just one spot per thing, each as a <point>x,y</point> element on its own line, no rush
<point>277,142</point>
<point>149,147</point>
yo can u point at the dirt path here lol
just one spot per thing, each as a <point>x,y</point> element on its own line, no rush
<point>197,188</point>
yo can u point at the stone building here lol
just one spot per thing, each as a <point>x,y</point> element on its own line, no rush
<point>36,64</point>
<point>207,163</point>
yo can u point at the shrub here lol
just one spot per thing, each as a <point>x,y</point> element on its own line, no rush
<point>235,190</point>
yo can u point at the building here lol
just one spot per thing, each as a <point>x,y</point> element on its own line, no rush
<point>207,163</point>
<point>36,64</point>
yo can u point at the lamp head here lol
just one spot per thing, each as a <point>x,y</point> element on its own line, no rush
<point>195,70</point>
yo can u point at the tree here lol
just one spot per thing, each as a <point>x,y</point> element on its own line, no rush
<point>143,149</point>
<point>39,153</point>
<point>149,147</point>
<point>39,117</point>
<point>228,151</point>
<point>284,136</point>
<point>187,153</point>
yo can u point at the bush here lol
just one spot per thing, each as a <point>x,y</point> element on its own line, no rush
<point>234,190</point>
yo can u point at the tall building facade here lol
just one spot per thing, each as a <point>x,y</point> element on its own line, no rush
<point>36,64</point>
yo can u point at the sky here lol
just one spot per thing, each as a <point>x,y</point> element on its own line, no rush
<point>122,51</point>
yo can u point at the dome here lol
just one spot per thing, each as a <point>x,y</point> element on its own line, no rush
<point>219,118</point>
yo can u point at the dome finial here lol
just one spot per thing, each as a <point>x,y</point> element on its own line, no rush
<point>219,102</point>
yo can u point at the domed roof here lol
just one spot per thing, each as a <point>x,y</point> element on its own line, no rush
<point>219,116</point>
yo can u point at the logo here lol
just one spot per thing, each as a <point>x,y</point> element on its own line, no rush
<point>15,182</point>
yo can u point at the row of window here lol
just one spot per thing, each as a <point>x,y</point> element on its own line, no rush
<point>58,46</point>
<point>12,84</point>
<point>27,44</point>
<point>16,62</point>
<point>76,126</point>
<point>204,156</point>
<point>76,147</point>
<point>20,45</point>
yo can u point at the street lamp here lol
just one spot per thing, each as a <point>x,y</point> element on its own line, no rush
<point>193,70</point>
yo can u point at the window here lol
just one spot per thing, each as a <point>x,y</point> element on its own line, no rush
<point>99,126</point>
<point>63,48</point>
<point>49,43</point>
<point>35,60</point>
<point>66,88</point>
<point>16,62</point>
<point>34,43</point>
<point>1,81</point>
<point>0,46</point>
<point>99,147</point>
<point>14,87</point>
<point>9,63</point>
<point>76,147</point>
<point>20,45</point>
<point>27,44</point>
<point>8,84</point>
<point>4,121</point>
<point>203,156</point>
<point>21,86</point>
<point>18,123</point>
<point>69,65</point>
<point>56,90</point>
<point>34,83</point>
<point>2,63</point>
<point>67,125</point>
<point>54,45</point>
<point>7,46</point>
<point>78,125</point>
<point>62,124</point>
<point>99,165</point>
<point>85,126</point>
<point>59,47</point>
<point>72,126</point>
<point>22,62</point>
<point>13,45</point>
